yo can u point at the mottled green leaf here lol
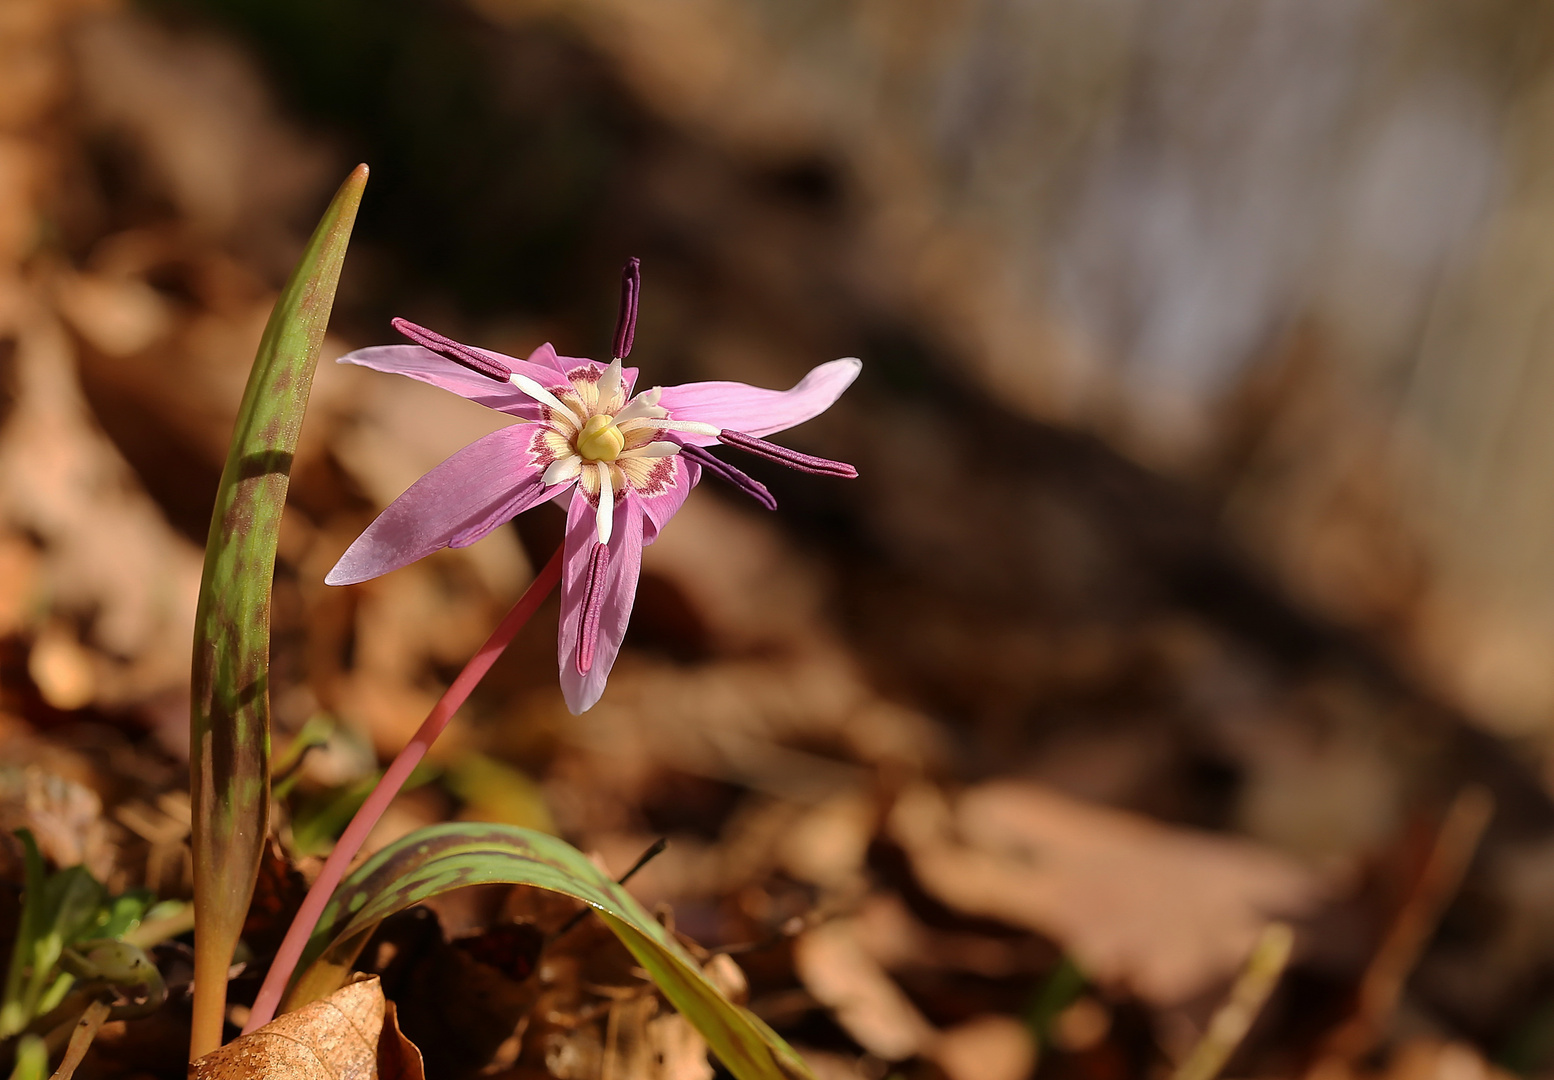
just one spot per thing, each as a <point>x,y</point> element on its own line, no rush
<point>435,860</point>
<point>229,718</point>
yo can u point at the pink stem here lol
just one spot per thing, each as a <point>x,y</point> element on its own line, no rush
<point>378,800</point>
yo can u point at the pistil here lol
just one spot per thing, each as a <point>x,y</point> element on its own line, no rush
<point>600,439</point>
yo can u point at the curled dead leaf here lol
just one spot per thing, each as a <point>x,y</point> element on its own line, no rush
<point>350,1035</point>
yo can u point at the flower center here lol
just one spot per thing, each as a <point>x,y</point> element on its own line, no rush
<point>600,439</point>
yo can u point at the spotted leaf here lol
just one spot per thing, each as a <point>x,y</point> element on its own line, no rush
<point>441,858</point>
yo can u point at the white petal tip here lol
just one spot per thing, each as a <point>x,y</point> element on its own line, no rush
<point>578,706</point>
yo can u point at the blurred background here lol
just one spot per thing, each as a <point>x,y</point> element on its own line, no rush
<point>1200,572</point>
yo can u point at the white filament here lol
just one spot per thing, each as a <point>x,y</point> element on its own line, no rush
<point>690,427</point>
<point>609,384</point>
<point>562,469</point>
<point>542,395</point>
<point>605,518</point>
<point>654,449</point>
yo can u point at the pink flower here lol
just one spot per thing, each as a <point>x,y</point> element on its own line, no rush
<point>621,464</point>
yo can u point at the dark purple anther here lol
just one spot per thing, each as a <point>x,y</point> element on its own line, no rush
<point>449,349</point>
<point>724,471</point>
<point>626,321</point>
<point>783,456</point>
<point>593,603</point>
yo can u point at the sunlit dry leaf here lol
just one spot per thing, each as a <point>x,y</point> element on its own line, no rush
<point>64,815</point>
<point>61,668</point>
<point>1435,1059</point>
<point>828,844</point>
<point>106,555</point>
<point>987,1048</point>
<point>119,316</point>
<point>18,580</point>
<point>336,1038</point>
<point>1163,911</point>
<point>837,970</point>
<point>675,1050</point>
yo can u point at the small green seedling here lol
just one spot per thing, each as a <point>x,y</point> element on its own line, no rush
<point>70,947</point>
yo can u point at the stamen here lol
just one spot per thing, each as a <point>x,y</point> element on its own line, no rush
<point>644,404</point>
<point>609,384</point>
<point>593,604</point>
<point>449,349</point>
<point>542,395</point>
<point>784,456</point>
<point>653,449</point>
<point>626,321</point>
<point>562,469</point>
<point>726,472</point>
<point>690,427</point>
<point>604,519</point>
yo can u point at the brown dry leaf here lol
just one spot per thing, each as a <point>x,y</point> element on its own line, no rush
<point>1435,1059</point>
<point>333,1039</point>
<point>643,1045</point>
<point>398,1057</point>
<point>836,969</point>
<point>61,668</point>
<point>197,108</point>
<point>987,1048</point>
<point>108,558</point>
<point>65,816</point>
<point>1163,911</point>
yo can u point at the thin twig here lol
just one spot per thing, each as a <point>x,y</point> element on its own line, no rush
<point>1382,985</point>
<point>654,851</point>
<point>382,795</point>
<point>1233,1019</point>
<point>81,1039</point>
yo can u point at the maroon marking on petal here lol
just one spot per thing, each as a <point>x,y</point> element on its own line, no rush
<point>449,349</point>
<point>593,603</point>
<point>626,321</point>
<point>660,478</point>
<point>726,472</point>
<point>791,458</point>
<point>540,453</point>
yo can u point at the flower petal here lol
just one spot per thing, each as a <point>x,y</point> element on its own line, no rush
<point>567,364</point>
<point>484,485</point>
<point>657,511</point>
<point>620,585</point>
<point>423,365</point>
<point>753,410</point>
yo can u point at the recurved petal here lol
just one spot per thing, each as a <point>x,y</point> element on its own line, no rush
<point>658,509</point>
<point>755,411</point>
<point>484,485</point>
<point>582,691</point>
<point>423,365</point>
